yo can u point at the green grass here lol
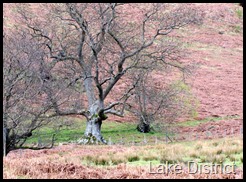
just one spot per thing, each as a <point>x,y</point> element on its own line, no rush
<point>239,13</point>
<point>143,163</point>
<point>237,28</point>
<point>203,152</point>
<point>113,131</point>
<point>226,150</point>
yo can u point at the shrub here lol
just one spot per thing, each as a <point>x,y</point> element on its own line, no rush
<point>234,150</point>
<point>203,159</point>
<point>88,158</point>
<point>132,158</point>
<point>216,159</point>
<point>102,160</point>
<point>232,158</point>
<point>193,155</point>
<point>215,144</point>
<point>198,147</point>
<point>219,151</point>
<point>164,159</point>
<point>150,157</point>
<point>116,160</point>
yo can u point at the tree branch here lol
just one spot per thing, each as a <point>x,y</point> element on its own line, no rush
<point>44,147</point>
<point>114,112</point>
<point>66,113</point>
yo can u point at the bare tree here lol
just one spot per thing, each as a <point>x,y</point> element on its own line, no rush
<point>162,101</point>
<point>158,105</point>
<point>21,106</point>
<point>96,45</point>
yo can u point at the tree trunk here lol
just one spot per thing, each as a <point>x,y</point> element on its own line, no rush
<point>144,123</point>
<point>143,127</point>
<point>93,131</point>
<point>8,141</point>
<point>4,141</point>
<point>95,107</point>
<point>93,126</point>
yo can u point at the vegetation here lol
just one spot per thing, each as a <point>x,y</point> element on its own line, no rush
<point>239,13</point>
<point>75,161</point>
<point>116,132</point>
<point>182,152</point>
<point>197,122</point>
<point>57,47</point>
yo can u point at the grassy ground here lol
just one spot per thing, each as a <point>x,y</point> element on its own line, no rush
<point>119,161</point>
<point>225,150</point>
<point>113,132</point>
<point>217,151</point>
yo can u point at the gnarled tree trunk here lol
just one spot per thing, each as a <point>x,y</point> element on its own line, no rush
<point>94,120</point>
<point>93,131</point>
<point>93,126</point>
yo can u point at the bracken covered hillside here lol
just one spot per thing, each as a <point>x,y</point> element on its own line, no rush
<point>216,51</point>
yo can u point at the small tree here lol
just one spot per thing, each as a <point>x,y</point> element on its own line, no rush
<point>97,44</point>
<point>161,95</point>
<point>159,103</point>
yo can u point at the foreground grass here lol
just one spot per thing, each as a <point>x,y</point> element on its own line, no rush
<point>119,161</point>
<point>226,151</point>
